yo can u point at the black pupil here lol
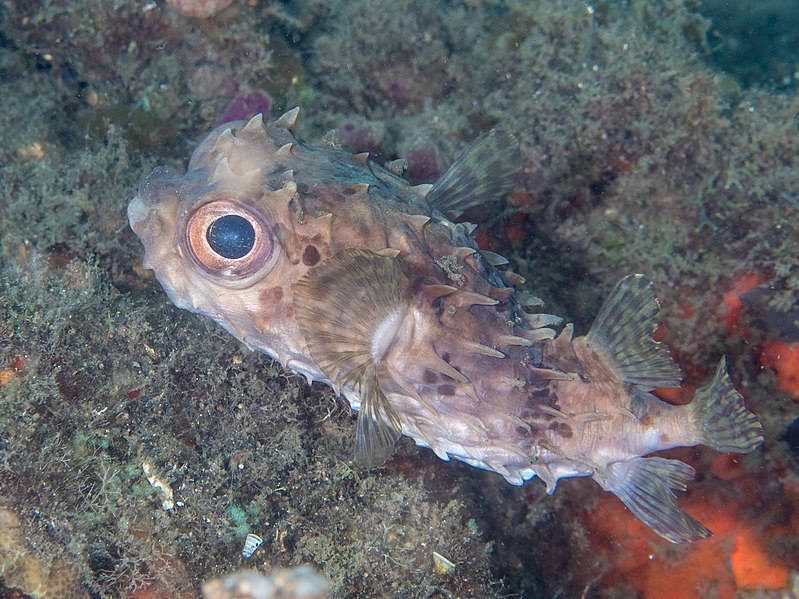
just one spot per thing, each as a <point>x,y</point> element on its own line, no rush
<point>231,236</point>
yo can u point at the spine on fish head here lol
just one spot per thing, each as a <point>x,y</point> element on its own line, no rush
<point>246,151</point>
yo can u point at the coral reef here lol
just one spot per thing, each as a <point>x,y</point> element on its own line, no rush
<point>245,106</point>
<point>157,70</point>
<point>641,152</point>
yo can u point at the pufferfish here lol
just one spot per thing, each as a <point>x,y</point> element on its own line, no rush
<point>343,272</point>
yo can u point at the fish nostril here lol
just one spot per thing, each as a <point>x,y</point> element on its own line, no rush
<point>231,236</point>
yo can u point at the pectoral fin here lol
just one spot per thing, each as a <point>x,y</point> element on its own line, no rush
<point>378,427</point>
<point>646,486</point>
<point>348,309</point>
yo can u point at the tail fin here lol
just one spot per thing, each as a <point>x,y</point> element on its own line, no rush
<point>722,421</point>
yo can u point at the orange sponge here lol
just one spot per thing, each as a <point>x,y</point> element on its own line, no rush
<point>751,565</point>
<point>783,358</point>
<point>733,305</point>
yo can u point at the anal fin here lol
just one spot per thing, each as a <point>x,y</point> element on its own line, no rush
<point>646,486</point>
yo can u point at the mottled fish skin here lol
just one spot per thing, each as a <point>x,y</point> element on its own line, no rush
<point>346,274</point>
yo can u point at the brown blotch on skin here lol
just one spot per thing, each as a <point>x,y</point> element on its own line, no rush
<point>541,395</point>
<point>362,230</point>
<point>310,256</point>
<point>562,429</point>
<point>446,390</point>
<point>271,311</point>
<point>429,377</point>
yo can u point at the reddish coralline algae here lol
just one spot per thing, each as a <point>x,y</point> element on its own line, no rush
<point>244,107</point>
<point>357,138</point>
<point>422,164</point>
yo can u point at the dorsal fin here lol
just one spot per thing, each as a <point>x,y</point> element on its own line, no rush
<point>482,174</point>
<point>348,309</point>
<point>623,330</point>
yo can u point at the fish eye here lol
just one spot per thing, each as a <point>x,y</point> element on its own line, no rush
<point>231,236</point>
<point>229,240</point>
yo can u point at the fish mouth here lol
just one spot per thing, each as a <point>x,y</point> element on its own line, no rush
<point>138,214</point>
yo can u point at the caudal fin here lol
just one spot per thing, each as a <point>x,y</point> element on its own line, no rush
<point>722,421</point>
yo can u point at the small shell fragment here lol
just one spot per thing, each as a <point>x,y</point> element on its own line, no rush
<point>251,543</point>
<point>168,497</point>
<point>442,565</point>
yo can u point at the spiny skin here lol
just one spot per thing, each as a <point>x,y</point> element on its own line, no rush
<point>320,202</point>
<point>360,281</point>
